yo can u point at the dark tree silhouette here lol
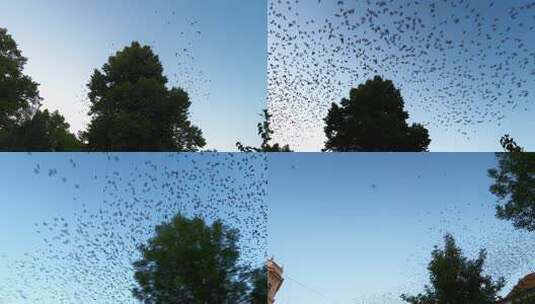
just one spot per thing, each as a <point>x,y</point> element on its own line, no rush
<point>43,132</point>
<point>265,132</point>
<point>259,283</point>
<point>188,261</point>
<point>23,127</point>
<point>509,144</point>
<point>19,95</point>
<point>457,280</point>
<point>133,110</point>
<point>373,120</point>
<point>514,187</point>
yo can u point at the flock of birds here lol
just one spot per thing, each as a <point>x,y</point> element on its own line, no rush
<point>86,256</point>
<point>460,64</point>
<point>510,251</point>
<point>185,72</point>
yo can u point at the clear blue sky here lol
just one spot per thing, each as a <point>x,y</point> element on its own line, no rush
<point>89,256</point>
<point>66,40</point>
<point>459,91</point>
<point>359,228</point>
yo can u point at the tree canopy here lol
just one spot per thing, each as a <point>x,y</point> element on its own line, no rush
<point>266,133</point>
<point>509,144</point>
<point>456,279</point>
<point>188,261</point>
<point>514,188</point>
<point>45,131</point>
<point>132,109</point>
<point>23,126</point>
<point>259,284</point>
<point>19,95</point>
<point>373,120</point>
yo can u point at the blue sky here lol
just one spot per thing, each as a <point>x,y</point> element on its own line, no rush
<point>66,40</point>
<point>427,95</point>
<point>93,209</point>
<point>359,228</point>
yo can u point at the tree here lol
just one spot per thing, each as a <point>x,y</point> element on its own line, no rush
<point>456,279</point>
<point>188,261</point>
<point>514,188</point>
<point>23,127</point>
<point>19,96</point>
<point>373,120</point>
<point>509,144</point>
<point>265,132</point>
<point>43,132</point>
<point>259,283</point>
<point>132,109</point>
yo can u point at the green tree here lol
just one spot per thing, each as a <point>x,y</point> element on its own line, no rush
<point>456,279</point>
<point>19,95</point>
<point>266,133</point>
<point>258,294</point>
<point>132,109</point>
<point>514,188</point>
<point>43,132</point>
<point>373,120</point>
<point>188,261</point>
<point>23,127</point>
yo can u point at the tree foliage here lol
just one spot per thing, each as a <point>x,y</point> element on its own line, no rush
<point>373,120</point>
<point>514,188</point>
<point>188,261</point>
<point>266,133</point>
<point>23,127</point>
<point>44,132</point>
<point>456,279</point>
<point>259,283</point>
<point>19,95</point>
<point>132,109</point>
<point>509,144</point>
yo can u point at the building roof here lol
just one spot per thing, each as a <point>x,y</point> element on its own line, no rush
<point>273,266</point>
<point>275,279</point>
<point>526,283</point>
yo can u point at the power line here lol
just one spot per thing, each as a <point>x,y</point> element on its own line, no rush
<point>310,289</point>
